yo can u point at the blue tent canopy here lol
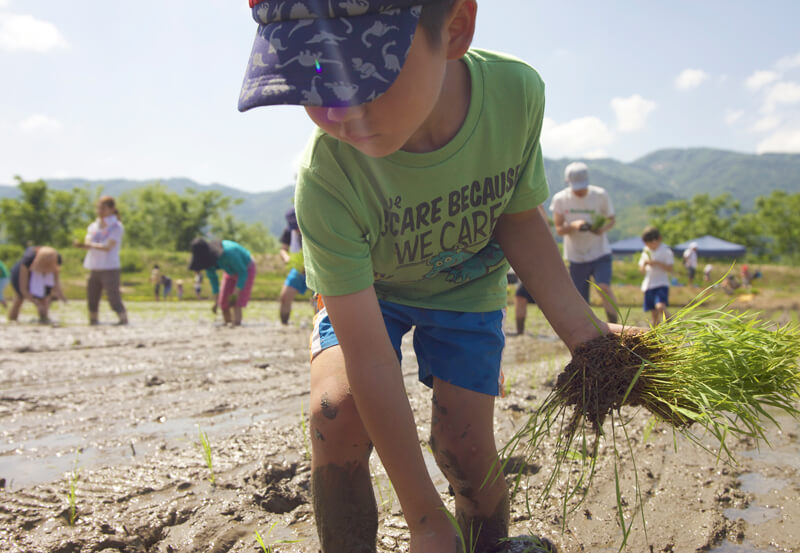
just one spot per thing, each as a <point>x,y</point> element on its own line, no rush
<point>628,246</point>
<point>710,246</point>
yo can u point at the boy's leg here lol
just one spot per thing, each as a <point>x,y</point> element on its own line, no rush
<point>344,503</point>
<point>226,314</point>
<point>462,441</point>
<point>237,315</point>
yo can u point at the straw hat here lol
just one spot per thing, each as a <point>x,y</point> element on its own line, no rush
<point>47,260</point>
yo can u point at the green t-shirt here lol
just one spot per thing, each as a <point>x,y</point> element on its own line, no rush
<point>419,226</point>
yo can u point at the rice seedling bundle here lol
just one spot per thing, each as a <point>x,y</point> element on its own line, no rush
<point>705,372</point>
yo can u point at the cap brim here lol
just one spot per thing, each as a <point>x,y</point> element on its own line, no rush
<point>579,185</point>
<point>328,61</point>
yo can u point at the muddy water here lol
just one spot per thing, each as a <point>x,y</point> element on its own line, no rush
<point>126,405</point>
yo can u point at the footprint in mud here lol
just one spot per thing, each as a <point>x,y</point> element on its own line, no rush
<point>284,487</point>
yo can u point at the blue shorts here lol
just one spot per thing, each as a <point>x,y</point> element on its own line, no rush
<point>297,280</point>
<point>580,273</point>
<point>464,349</point>
<point>655,296</point>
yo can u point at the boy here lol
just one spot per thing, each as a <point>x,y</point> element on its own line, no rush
<point>656,264</point>
<point>423,178</point>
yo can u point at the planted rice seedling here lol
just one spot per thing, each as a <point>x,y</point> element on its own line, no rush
<point>271,547</point>
<point>705,372</point>
<point>72,493</point>
<point>304,432</point>
<point>207,455</point>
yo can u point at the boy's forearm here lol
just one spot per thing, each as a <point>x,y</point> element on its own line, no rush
<point>532,252</point>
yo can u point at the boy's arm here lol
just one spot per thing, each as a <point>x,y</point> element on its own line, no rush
<point>532,252</point>
<point>375,378</point>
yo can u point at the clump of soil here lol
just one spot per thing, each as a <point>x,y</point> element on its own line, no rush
<point>600,374</point>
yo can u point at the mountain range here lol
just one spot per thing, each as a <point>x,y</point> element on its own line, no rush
<point>651,180</point>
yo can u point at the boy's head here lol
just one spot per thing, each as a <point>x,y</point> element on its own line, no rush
<point>333,53</point>
<point>651,237</point>
<point>205,253</point>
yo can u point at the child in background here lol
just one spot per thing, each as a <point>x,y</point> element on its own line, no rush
<point>179,289</point>
<point>424,176</point>
<point>655,263</point>
<point>155,279</point>
<point>198,284</point>
<point>166,282</point>
<point>291,252</point>
<point>4,276</point>
<point>707,272</point>
<point>35,278</point>
<point>240,273</point>
<point>690,261</point>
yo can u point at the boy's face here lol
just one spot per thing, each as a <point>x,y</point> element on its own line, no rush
<point>402,115</point>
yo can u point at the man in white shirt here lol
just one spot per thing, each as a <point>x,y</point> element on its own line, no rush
<point>583,214</point>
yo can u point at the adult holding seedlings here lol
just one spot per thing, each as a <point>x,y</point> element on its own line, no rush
<point>656,264</point>
<point>583,214</point>
<point>239,273</point>
<point>291,253</point>
<point>103,242</point>
<point>35,278</point>
<point>421,183</point>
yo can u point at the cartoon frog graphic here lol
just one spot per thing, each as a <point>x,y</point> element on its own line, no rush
<point>476,266</point>
<point>445,260</point>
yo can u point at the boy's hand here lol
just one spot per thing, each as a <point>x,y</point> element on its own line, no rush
<point>232,299</point>
<point>437,536</point>
<point>214,308</point>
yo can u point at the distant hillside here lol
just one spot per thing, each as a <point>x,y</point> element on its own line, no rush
<point>653,179</point>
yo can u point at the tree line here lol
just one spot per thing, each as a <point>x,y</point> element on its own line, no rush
<point>770,231</point>
<point>154,217</point>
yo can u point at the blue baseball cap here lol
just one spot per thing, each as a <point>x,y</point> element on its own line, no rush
<point>327,52</point>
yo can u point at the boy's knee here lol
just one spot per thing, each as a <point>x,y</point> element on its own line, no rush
<point>462,458</point>
<point>336,425</point>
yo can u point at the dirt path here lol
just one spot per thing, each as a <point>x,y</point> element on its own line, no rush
<point>126,404</point>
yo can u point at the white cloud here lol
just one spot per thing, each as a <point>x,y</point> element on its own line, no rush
<point>3,4</point>
<point>39,123</point>
<point>575,138</point>
<point>632,112</point>
<point>690,78</point>
<point>781,93</point>
<point>788,62</point>
<point>787,141</point>
<point>760,79</point>
<point>25,32</point>
<point>732,116</point>
<point>766,123</point>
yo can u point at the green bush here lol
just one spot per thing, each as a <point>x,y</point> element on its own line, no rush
<point>10,253</point>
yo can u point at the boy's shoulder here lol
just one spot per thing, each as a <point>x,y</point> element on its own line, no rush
<point>507,71</point>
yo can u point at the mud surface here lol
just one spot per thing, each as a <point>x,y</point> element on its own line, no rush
<point>126,405</point>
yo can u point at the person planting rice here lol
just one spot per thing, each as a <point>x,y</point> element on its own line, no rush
<point>4,276</point>
<point>420,185</point>
<point>237,282</point>
<point>291,253</point>
<point>656,264</point>
<point>103,241</point>
<point>35,278</point>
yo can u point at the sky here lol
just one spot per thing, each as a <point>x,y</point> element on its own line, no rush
<point>148,89</point>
